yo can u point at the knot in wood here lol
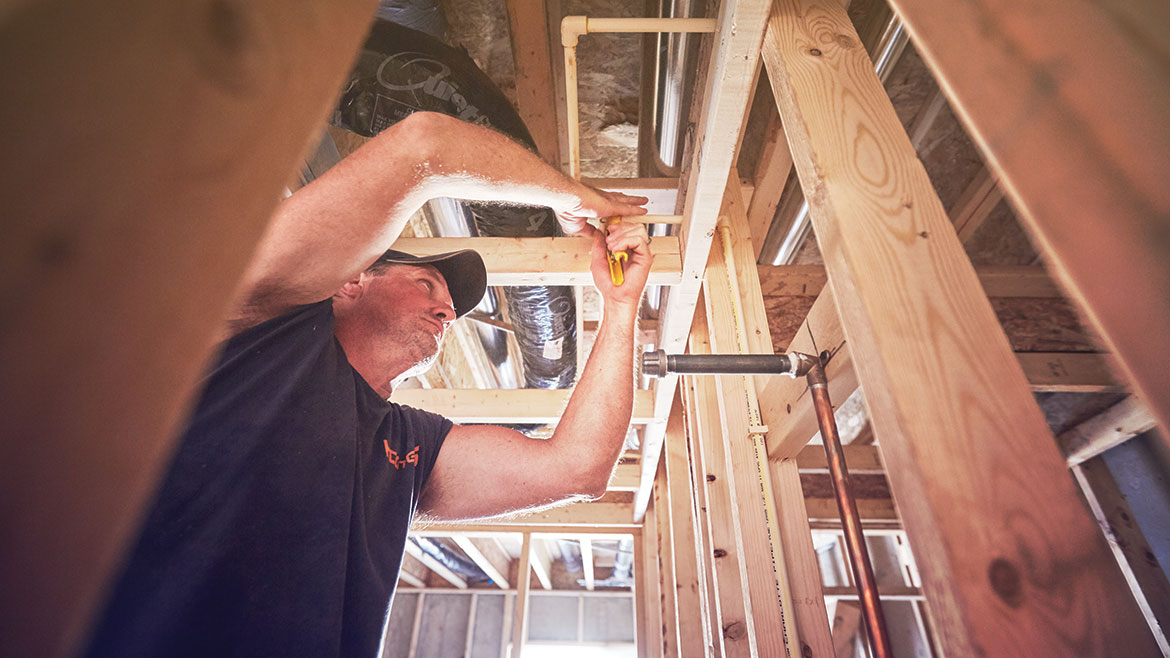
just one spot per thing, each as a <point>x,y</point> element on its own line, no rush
<point>815,52</point>
<point>719,552</point>
<point>735,631</point>
<point>1006,581</point>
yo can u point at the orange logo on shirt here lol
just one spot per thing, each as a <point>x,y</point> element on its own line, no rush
<point>392,455</point>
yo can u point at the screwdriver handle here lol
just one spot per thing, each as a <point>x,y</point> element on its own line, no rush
<point>616,260</point>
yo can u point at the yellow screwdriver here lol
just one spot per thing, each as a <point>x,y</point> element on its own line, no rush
<point>616,274</point>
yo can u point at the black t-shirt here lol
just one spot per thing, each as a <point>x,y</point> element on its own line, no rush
<point>279,529</point>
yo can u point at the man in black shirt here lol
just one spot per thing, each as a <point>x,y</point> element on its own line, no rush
<point>280,526</point>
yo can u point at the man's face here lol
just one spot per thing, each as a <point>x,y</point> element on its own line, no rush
<point>403,314</point>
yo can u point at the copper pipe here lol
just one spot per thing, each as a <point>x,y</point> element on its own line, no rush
<point>871,607</point>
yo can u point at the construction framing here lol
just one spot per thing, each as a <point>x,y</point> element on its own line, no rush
<point>1009,560</point>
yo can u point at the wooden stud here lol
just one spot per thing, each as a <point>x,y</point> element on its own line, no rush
<point>613,510</point>
<point>734,632</point>
<point>525,405</point>
<point>535,96</point>
<point>1110,428</point>
<point>641,602</point>
<point>1068,372</point>
<point>541,562</point>
<point>520,609</point>
<point>587,562</point>
<point>1145,576</point>
<point>626,477</point>
<point>413,572</point>
<point>997,280</point>
<point>975,204</point>
<point>1062,78</point>
<point>705,562</point>
<point>739,29</point>
<point>667,606</point>
<point>771,175</point>
<point>646,574</point>
<point>785,405</point>
<point>785,528</point>
<point>862,460</point>
<point>690,606</point>
<point>542,261</point>
<point>958,426</point>
<point>103,224</point>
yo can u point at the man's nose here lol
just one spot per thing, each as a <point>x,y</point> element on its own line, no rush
<point>445,311</point>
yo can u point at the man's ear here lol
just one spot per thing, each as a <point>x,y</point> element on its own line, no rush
<point>353,289</point>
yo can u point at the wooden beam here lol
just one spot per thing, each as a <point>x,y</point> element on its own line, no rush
<point>785,405</point>
<point>215,137</point>
<point>535,95</point>
<point>949,403</point>
<point>662,193</point>
<point>997,280</point>
<point>496,530</point>
<point>900,593</point>
<point>1110,428</point>
<point>641,603</point>
<point>765,579</point>
<point>771,175</point>
<point>542,562</point>
<point>646,574</point>
<point>871,509</point>
<point>975,204</point>
<point>1067,372</point>
<point>667,606</point>
<point>733,626</point>
<point>788,412</point>
<point>679,503</point>
<point>501,406</point>
<point>626,477</point>
<point>587,562</point>
<point>488,556</point>
<point>434,565</point>
<point>1063,75</point>
<point>613,511</point>
<point>520,609</point>
<point>729,73</point>
<point>704,551</point>
<point>788,533</point>
<point>1145,576</point>
<point>543,261</point>
<point>862,460</point>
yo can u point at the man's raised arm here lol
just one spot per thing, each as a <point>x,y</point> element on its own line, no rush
<point>487,471</point>
<point>336,226</point>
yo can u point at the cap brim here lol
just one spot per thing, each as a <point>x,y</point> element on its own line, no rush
<point>463,270</point>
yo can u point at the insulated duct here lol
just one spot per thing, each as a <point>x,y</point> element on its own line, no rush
<point>401,71</point>
<point>452,560</point>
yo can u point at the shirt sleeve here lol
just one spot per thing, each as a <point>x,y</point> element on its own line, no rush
<point>429,430</point>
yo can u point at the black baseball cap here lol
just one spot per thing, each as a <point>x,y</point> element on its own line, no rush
<point>464,271</point>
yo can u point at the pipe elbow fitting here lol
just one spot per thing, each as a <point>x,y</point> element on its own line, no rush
<point>572,27</point>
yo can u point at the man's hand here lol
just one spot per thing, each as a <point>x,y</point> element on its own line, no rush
<point>593,204</point>
<point>621,236</point>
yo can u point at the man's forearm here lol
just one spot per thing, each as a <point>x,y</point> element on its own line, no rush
<point>593,426</point>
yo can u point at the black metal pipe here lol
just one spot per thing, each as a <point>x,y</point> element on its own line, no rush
<point>661,364</point>
<point>871,607</point>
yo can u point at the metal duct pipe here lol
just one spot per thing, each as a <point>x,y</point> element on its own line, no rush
<point>780,247</point>
<point>571,555</point>
<point>623,562</point>
<point>451,560</point>
<point>674,75</point>
<point>400,71</point>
